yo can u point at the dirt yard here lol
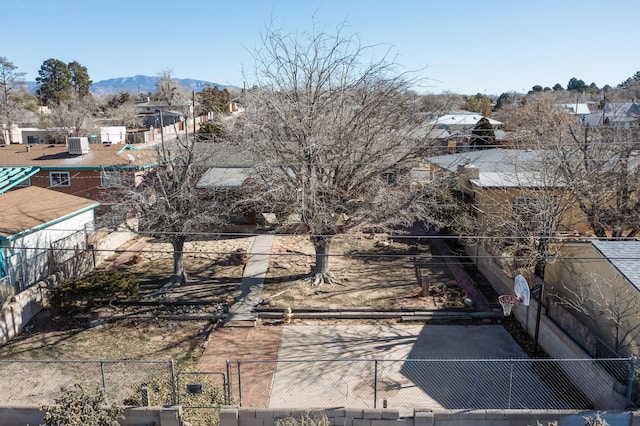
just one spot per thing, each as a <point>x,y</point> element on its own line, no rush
<point>370,273</point>
<point>375,273</point>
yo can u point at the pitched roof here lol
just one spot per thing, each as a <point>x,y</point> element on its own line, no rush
<point>32,207</point>
<point>57,157</point>
<point>624,256</point>
<point>462,118</point>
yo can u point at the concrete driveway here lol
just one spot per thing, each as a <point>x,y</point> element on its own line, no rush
<point>342,362</point>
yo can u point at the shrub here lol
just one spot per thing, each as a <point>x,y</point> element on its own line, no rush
<point>76,407</point>
<point>307,419</point>
<point>101,286</point>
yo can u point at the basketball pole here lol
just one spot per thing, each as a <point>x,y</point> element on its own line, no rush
<point>536,293</point>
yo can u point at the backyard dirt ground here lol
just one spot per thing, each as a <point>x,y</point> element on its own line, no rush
<point>372,272</point>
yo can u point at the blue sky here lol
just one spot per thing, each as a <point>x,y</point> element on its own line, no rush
<point>460,46</point>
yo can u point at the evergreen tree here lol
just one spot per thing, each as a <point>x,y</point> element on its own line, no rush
<point>56,82</point>
<point>482,135</point>
<point>79,79</point>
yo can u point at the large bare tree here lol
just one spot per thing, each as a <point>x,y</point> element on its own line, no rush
<point>166,202</point>
<point>604,168</point>
<point>333,139</point>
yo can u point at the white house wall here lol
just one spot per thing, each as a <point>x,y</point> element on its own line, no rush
<point>27,257</point>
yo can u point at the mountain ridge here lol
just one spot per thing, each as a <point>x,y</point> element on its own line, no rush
<point>137,84</point>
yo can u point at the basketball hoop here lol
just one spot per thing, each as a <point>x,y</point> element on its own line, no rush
<point>508,301</point>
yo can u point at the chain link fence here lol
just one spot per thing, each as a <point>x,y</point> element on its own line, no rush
<point>449,384</point>
<point>124,382</point>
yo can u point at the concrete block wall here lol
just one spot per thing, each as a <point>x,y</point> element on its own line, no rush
<point>134,416</point>
<point>19,311</point>
<point>236,416</point>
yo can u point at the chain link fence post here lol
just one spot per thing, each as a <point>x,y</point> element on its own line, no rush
<point>239,386</point>
<point>228,396</point>
<point>104,381</point>
<point>633,365</point>
<point>173,380</point>
<point>375,383</point>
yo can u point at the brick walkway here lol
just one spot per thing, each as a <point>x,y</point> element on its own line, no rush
<point>259,343</point>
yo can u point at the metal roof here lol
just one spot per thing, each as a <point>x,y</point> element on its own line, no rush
<point>500,167</point>
<point>13,176</point>
<point>624,256</point>
<point>224,177</point>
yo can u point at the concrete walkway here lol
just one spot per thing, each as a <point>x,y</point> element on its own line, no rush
<point>244,308</point>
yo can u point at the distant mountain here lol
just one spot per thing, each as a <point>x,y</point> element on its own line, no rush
<point>143,84</point>
<point>136,84</point>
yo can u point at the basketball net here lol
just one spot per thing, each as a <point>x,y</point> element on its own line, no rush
<point>507,302</point>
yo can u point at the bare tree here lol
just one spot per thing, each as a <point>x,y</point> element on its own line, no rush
<point>604,169</point>
<point>166,202</point>
<point>539,123</point>
<point>333,139</point>
<point>170,90</point>
<point>15,101</point>
<point>612,307</point>
<point>72,118</point>
<point>526,209</point>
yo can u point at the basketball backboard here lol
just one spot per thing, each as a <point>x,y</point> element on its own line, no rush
<point>521,289</point>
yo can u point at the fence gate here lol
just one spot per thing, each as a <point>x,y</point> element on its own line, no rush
<point>201,389</point>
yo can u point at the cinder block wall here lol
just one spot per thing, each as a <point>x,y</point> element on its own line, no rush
<point>134,416</point>
<point>235,416</point>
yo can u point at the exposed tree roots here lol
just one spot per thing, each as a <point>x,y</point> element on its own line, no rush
<point>320,278</point>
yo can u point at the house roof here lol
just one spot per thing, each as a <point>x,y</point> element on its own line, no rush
<point>12,176</point>
<point>33,207</point>
<point>224,177</point>
<point>462,118</point>
<point>50,157</point>
<point>504,168</point>
<point>577,108</point>
<point>624,256</point>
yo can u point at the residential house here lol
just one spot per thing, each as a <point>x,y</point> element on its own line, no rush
<point>621,114</point>
<point>40,228</point>
<point>87,172</point>
<point>603,279</point>
<point>501,182</point>
<point>454,130</point>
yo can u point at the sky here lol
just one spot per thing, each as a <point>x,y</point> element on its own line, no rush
<point>457,46</point>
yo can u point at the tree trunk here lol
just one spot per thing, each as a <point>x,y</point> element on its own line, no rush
<point>179,274</point>
<point>322,274</point>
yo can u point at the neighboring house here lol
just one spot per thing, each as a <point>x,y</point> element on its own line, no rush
<point>460,121</point>
<point>497,182</point>
<point>87,172</point>
<point>622,114</point>
<point>579,109</point>
<point>603,278</point>
<point>158,114</point>
<point>454,130</point>
<point>40,228</point>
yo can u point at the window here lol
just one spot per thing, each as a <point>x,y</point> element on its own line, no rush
<point>24,183</point>
<point>109,179</point>
<point>59,179</point>
<point>390,178</point>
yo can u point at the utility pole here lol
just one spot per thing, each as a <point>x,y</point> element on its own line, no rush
<point>193,92</point>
